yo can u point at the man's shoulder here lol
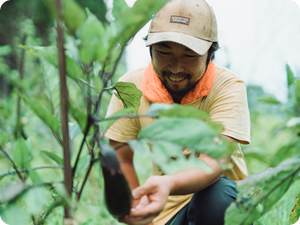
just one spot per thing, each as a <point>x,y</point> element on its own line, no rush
<point>134,76</point>
<point>223,73</point>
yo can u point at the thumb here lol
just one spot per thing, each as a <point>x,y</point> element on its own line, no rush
<point>145,189</point>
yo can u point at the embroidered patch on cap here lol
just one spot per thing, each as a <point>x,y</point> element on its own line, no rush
<point>180,19</point>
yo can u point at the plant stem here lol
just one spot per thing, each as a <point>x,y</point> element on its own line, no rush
<point>13,164</point>
<point>21,72</point>
<point>68,178</point>
<point>89,123</point>
<point>35,168</point>
<point>85,178</point>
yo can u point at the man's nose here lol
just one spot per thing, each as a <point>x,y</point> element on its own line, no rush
<point>175,66</point>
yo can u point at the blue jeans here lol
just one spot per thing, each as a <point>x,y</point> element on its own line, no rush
<point>207,207</point>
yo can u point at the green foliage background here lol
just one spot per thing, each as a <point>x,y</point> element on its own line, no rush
<point>28,85</point>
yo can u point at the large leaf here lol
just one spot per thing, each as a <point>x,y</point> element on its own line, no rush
<point>73,14</point>
<point>22,155</point>
<point>262,190</point>
<point>36,199</point>
<point>280,212</point>
<point>94,42</point>
<point>128,93</point>
<point>175,110</point>
<point>43,114</point>
<point>50,54</point>
<point>12,191</point>
<point>15,214</point>
<point>171,160</point>
<point>131,20</point>
<point>187,132</point>
<point>119,8</point>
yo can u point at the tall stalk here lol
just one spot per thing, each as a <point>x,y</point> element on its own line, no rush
<point>64,103</point>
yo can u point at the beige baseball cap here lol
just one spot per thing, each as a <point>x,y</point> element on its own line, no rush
<point>191,23</point>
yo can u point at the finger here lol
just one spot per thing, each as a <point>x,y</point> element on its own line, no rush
<point>145,189</point>
<point>152,209</point>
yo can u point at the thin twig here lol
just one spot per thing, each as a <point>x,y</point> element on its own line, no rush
<point>12,162</point>
<point>127,116</point>
<point>35,168</point>
<point>89,123</point>
<point>85,179</point>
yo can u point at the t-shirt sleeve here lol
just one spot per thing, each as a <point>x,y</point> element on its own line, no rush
<point>124,128</point>
<point>230,108</point>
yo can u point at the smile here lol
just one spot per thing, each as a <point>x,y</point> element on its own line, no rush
<point>176,79</point>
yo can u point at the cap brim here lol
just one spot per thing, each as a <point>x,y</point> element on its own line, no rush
<point>197,45</point>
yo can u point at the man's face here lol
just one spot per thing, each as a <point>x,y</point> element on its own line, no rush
<point>178,67</point>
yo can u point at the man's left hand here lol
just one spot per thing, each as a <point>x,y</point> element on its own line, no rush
<point>154,194</point>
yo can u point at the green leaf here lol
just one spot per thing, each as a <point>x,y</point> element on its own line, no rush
<point>83,164</point>
<point>48,53</point>
<point>54,157</point>
<point>175,110</point>
<point>290,75</point>
<point>268,99</point>
<point>36,199</point>
<point>265,189</point>
<point>186,132</point>
<point>79,116</point>
<point>128,93</point>
<point>295,213</point>
<point>169,157</point>
<point>5,50</point>
<point>94,40</point>
<point>43,114</point>
<point>73,15</point>
<point>280,212</point>
<point>132,20</point>
<point>73,69</point>
<point>4,137</point>
<point>12,191</point>
<point>22,155</point>
<point>120,8</point>
<point>297,92</point>
<point>74,130</point>
<point>35,178</point>
<point>113,118</point>
<point>15,214</point>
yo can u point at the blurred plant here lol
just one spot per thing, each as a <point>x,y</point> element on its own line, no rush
<point>88,51</point>
<point>274,185</point>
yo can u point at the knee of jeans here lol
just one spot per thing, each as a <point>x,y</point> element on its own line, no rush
<point>217,196</point>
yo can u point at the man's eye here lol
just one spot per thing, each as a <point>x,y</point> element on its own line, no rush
<point>164,53</point>
<point>190,56</point>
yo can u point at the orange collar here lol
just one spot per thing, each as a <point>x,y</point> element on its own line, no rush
<point>154,90</point>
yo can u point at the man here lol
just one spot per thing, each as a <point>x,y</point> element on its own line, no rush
<point>182,39</point>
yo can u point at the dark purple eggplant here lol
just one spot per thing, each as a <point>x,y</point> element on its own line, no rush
<point>116,189</point>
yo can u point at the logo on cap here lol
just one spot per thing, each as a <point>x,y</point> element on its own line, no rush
<point>180,19</point>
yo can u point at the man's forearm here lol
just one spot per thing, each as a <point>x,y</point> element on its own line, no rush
<point>194,180</point>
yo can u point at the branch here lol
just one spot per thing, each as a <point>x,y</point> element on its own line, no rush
<point>89,123</point>
<point>12,162</point>
<point>127,116</point>
<point>35,168</point>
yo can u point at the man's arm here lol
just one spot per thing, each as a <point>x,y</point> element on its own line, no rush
<point>158,188</point>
